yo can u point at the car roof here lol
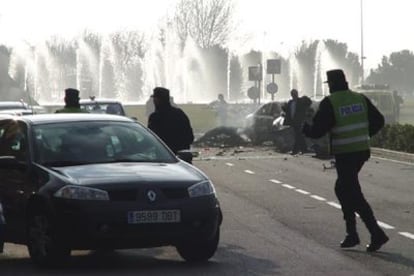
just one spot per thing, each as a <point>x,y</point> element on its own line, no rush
<point>67,117</point>
<point>16,111</point>
<point>12,103</point>
<point>98,100</point>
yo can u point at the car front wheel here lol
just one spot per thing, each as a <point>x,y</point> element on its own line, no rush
<point>199,251</point>
<point>44,247</point>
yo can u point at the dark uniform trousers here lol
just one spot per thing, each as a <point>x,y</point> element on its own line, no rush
<point>349,194</point>
<point>300,143</point>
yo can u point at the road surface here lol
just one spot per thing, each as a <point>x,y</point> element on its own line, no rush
<point>281,217</point>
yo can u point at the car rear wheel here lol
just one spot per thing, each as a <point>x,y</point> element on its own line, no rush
<point>45,249</point>
<point>199,251</point>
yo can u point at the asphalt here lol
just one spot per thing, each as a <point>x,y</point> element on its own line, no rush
<point>207,152</point>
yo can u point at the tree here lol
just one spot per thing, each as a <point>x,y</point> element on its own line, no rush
<point>396,70</point>
<point>316,57</point>
<point>306,61</point>
<point>236,79</point>
<point>130,49</point>
<point>348,61</point>
<point>208,22</point>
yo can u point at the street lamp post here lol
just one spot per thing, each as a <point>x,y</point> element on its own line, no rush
<point>362,44</point>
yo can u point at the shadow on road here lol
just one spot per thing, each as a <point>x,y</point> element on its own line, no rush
<point>390,257</point>
<point>229,260</point>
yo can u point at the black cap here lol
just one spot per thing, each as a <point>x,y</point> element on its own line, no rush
<point>71,93</point>
<point>161,93</point>
<point>336,76</point>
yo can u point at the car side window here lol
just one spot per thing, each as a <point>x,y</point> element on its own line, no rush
<point>275,110</point>
<point>13,141</point>
<point>264,110</point>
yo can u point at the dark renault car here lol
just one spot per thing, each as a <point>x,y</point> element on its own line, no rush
<point>96,181</point>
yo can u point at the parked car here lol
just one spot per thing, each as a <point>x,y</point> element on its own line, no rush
<point>98,181</point>
<point>108,106</point>
<point>384,99</point>
<point>20,108</point>
<point>15,108</point>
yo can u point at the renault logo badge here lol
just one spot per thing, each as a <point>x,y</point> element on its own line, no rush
<point>151,195</point>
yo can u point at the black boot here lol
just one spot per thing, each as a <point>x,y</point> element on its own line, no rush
<point>350,241</point>
<point>377,241</point>
<point>378,237</point>
<point>352,237</point>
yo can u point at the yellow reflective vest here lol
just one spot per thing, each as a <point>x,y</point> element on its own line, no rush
<point>351,132</point>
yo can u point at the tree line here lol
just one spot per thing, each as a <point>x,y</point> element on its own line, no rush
<point>126,64</point>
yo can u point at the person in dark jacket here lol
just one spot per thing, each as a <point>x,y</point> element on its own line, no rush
<point>170,123</point>
<point>295,115</point>
<point>351,119</point>
<point>71,102</point>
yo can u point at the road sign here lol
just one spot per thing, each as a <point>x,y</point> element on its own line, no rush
<point>273,66</point>
<point>253,93</point>
<point>255,73</point>
<point>272,88</point>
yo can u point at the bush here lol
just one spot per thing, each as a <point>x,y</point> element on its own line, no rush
<point>395,137</point>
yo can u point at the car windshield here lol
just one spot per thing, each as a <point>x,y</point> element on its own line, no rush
<point>109,108</point>
<point>65,144</point>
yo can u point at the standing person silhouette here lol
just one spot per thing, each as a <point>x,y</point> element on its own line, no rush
<point>170,123</point>
<point>295,115</point>
<point>71,102</point>
<point>351,119</point>
<point>220,106</point>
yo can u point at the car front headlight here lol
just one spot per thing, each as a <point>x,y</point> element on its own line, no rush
<point>81,193</point>
<point>201,189</point>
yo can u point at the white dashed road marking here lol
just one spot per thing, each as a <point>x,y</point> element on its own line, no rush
<point>249,171</point>
<point>384,225</point>
<point>318,197</point>
<point>288,186</point>
<point>302,191</point>
<point>334,204</point>
<point>331,203</point>
<point>407,235</point>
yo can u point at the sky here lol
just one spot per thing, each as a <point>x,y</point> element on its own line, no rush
<point>278,25</point>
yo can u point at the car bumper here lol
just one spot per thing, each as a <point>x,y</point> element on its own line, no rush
<point>93,225</point>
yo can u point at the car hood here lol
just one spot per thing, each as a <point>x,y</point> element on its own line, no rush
<point>131,173</point>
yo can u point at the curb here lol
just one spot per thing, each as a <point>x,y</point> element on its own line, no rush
<point>391,154</point>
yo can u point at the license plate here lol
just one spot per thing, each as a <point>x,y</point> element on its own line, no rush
<point>154,216</point>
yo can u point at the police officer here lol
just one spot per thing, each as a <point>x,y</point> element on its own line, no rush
<point>351,119</point>
<point>71,102</point>
<point>170,123</point>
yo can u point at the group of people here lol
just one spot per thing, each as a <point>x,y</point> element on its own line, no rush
<point>168,121</point>
<point>348,117</point>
